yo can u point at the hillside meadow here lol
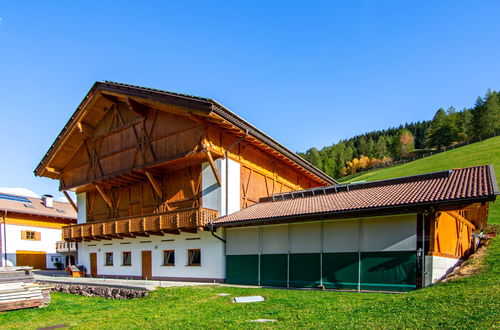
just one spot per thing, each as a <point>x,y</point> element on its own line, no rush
<point>480,153</point>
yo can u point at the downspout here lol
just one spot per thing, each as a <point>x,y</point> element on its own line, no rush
<point>212,231</point>
<point>5,237</point>
<point>227,167</point>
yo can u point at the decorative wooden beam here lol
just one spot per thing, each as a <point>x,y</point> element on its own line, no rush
<point>214,168</point>
<point>154,183</point>
<point>189,230</point>
<point>141,234</point>
<point>156,233</point>
<point>136,107</point>
<point>53,170</point>
<point>173,232</point>
<point>104,195</point>
<point>85,129</point>
<point>70,200</point>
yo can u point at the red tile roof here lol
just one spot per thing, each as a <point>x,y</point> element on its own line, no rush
<point>476,183</point>
<point>35,206</point>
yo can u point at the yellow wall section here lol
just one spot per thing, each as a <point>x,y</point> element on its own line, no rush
<point>35,223</point>
<point>451,235</point>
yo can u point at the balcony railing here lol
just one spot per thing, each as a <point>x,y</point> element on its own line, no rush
<point>154,224</point>
<point>62,246</point>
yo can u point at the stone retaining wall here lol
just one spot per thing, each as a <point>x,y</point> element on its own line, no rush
<point>99,291</point>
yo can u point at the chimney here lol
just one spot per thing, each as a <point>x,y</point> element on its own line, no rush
<point>48,200</point>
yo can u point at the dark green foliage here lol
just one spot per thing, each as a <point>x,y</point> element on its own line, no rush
<point>446,128</point>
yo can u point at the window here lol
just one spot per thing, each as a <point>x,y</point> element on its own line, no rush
<point>194,257</point>
<point>127,258</point>
<point>169,258</point>
<point>30,235</point>
<point>109,258</point>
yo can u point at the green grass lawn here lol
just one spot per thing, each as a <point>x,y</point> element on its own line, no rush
<point>472,302</point>
<point>480,153</point>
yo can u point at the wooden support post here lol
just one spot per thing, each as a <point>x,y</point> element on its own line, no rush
<point>104,195</point>
<point>70,201</point>
<point>214,168</point>
<point>154,183</point>
<point>85,129</point>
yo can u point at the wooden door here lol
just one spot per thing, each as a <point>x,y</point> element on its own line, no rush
<point>146,265</point>
<point>93,264</point>
<point>35,259</point>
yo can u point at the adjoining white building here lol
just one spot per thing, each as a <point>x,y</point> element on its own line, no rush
<point>31,234</point>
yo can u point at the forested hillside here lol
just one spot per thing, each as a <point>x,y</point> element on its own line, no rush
<point>448,127</point>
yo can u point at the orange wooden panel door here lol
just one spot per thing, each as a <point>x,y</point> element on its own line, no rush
<point>34,259</point>
<point>93,264</point>
<point>146,265</point>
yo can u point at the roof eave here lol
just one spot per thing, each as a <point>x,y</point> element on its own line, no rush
<point>407,208</point>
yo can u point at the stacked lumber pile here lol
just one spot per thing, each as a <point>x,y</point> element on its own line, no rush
<point>18,289</point>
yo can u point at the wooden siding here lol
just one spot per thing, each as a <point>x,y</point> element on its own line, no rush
<point>122,141</point>
<point>451,235</point>
<point>179,189</point>
<point>262,173</point>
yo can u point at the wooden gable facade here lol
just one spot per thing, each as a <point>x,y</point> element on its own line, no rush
<point>137,154</point>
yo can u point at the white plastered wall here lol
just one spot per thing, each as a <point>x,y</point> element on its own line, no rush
<point>213,196</point>
<point>81,203</point>
<point>47,243</point>
<point>437,267</point>
<point>212,256</point>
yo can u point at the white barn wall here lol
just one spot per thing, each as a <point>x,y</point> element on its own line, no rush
<point>213,196</point>
<point>47,243</point>
<point>212,256</point>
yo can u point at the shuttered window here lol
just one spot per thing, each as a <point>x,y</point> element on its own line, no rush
<point>30,235</point>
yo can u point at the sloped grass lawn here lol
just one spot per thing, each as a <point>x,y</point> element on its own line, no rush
<point>472,302</point>
<point>480,153</point>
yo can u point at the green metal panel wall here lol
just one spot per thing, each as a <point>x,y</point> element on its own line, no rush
<point>388,271</point>
<point>242,269</point>
<point>305,270</point>
<point>387,261</point>
<point>341,270</point>
<point>273,269</point>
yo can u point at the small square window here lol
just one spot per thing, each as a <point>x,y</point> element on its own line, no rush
<point>194,257</point>
<point>109,258</point>
<point>127,259</point>
<point>169,258</point>
<point>30,235</point>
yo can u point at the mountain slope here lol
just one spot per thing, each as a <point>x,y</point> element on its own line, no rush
<point>480,153</point>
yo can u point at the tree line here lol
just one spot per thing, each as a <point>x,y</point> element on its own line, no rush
<point>448,127</point>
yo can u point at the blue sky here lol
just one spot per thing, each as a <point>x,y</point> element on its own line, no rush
<point>307,73</point>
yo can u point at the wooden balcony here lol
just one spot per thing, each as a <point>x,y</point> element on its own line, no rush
<point>172,222</point>
<point>65,247</point>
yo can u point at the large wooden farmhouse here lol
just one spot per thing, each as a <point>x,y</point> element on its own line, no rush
<point>176,187</point>
<point>151,169</point>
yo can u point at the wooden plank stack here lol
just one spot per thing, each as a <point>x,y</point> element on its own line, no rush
<point>18,289</point>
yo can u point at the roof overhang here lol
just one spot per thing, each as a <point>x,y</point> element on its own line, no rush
<point>102,91</point>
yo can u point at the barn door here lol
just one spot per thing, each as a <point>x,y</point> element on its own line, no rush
<point>93,264</point>
<point>146,265</point>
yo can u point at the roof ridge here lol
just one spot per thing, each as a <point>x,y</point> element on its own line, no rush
<point>356,186</point>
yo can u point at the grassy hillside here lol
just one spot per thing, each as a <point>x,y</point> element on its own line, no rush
<point>480,153</point>
<point>466,303</point>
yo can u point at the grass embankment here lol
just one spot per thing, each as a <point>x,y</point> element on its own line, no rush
<point>480,153</point>
<point>472,302</point>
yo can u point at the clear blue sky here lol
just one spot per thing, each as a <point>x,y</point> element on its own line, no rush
<point>307,73</point>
